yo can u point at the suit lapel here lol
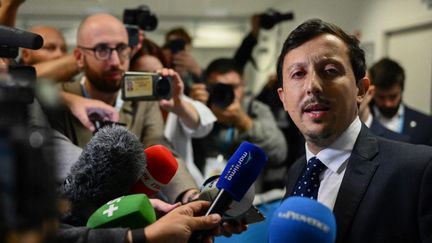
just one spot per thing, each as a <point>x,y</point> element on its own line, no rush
<point>359,172</point>
<point>293,174</point>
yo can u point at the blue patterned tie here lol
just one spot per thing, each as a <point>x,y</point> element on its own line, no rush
<point>309,182</point>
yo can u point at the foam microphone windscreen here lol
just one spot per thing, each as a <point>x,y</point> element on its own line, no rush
<point>13,37</point>
<point>242,170</point>
<point>160,169</point>
<point>132,211</point>
<point>301,219</point>
<point>109,165</point>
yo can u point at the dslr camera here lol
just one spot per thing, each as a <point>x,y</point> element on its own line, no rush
<point>141,17</point>
<point>146,86</point>
<point>272,17</point>
<point>220,95</point>
<point>136,19</point>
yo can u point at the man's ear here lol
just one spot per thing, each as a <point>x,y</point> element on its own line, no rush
<point>282,97</point>
<point>363,86</point>
<point>79,57</point>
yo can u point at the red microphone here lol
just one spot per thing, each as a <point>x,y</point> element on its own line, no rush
<point>161,168</point>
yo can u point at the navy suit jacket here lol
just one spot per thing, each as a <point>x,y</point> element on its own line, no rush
<point>378,129</point>
<point>386,192</point>
<point>417,126</point>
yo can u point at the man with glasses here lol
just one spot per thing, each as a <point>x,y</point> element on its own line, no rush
<point>103,55</point>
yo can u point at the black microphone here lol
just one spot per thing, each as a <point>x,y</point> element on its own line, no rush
<point>109,165</point>
<point>13,37</point>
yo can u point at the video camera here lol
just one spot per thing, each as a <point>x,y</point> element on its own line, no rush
<point>26,172</point>
<point>272,17</point>
<point>136,19</point>
<point>146,86</point>
<point>141,17</point>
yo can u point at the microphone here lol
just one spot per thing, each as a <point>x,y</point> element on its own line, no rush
<point>112,165</point>
<point>301,219</point>
<point>161,168</point>
<point>132,211</point>
<point>209,192</point>
<point>109,165</point>
<point>13,37</point>
<point>239,174</point>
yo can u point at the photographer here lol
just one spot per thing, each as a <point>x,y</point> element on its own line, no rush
<point>239,118</point>
<point>186,118</point>
<point>266,20</point>
<point>103,54</point>
<point>178,52</point>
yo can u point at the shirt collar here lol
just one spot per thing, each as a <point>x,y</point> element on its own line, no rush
<point>398,115</point>
<point>339,151</point>
<point>369,120</point>
<point>119,101</point>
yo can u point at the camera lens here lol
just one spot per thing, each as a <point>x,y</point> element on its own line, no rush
<point>221,95</point>
<point>163,88</point>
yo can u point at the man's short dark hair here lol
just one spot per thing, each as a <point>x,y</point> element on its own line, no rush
<point>224,65</point>
<point>316,27</point>
<point>181,33</point>
<point>386,73</point>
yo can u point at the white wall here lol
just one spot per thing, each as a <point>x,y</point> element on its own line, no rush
<point>369,19</point>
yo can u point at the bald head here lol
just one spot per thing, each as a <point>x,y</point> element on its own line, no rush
<point>100,27</point>
<point>54,45</point>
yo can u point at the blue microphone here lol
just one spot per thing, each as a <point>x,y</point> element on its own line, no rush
<point>300,219</point>
<point>239,174</point>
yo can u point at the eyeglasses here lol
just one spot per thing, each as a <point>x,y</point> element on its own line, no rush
<point>103,52</point>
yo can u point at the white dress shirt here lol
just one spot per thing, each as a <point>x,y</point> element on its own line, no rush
<point>335,157</point>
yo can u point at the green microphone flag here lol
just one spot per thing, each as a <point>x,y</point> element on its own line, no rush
<point>132,211</point>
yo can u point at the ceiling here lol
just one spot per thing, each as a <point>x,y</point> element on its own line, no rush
<point>212,23</point>
<point>163,8</point>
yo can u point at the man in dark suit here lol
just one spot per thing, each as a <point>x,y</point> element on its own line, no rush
<point>379,189</point>
<point>372,123</point>
<point>389,78</point>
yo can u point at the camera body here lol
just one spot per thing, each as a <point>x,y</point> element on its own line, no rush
<point>27,198</point>
<point>176,45</point>
<point>146,86</point>
<point>141,17</point>
<point>220,95</point>
<point>133,34</point>
<point>272,17</point>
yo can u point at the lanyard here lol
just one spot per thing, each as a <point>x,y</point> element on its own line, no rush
<point>119,101</point>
